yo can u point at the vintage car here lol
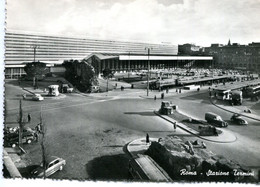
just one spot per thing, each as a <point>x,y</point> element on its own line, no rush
<point>11,139</point>
<point>37,97</point>
<point>236,118</point>
<point>53,164</point>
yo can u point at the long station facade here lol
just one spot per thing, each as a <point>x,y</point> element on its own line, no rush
<point>22,48</point>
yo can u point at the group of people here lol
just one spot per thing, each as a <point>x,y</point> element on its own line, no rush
<point>38,127</point>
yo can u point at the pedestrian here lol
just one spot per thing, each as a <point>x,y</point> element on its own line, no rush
<point>176,90</point>
<point>155,97</point>
<point>167,90</point>
<point>36,136</point>
<point>39,128</point>
<point>174,126</point>
<point>147,138</point>
<point>24,96</point>
<point>162,96</point>
<point>29,118</point>
<point>180,90</point>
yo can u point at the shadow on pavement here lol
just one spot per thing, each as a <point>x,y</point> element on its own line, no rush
<point>26,172</point>
<point>110,167</point>
<point>182,135</point>
<point>113,146</point>
<point>141,113</point>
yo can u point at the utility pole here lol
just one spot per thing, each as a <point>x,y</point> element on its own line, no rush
<point>128,64</point>
<point>34,51</point>
<point>148,69</point>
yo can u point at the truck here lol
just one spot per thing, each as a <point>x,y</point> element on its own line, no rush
<point>167,108</point>
<point>236,98</point>
<point>215,120</point>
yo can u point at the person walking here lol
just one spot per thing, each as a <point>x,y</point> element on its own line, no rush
<point>29,118</point>
<point>147,138</point>
<point>174,126</point>
<point>155,97</point>
<point>162,96</point>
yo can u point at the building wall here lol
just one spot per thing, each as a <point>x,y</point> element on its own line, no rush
<point>240,57</point>
<point>19,48</point>
<point>188,49</point>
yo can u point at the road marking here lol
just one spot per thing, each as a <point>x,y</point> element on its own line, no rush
<point>75,105</point>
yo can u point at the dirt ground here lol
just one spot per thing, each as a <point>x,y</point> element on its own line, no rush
<point>105,157</point>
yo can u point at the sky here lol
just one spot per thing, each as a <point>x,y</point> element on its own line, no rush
<point>201,22</point>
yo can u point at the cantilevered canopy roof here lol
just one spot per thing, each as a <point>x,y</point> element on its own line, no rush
<point>161,57</point>
<point>103,56</point>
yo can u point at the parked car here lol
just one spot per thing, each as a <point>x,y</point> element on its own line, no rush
<point>236,118</point>
<point>215,120</point>
<point>66,89</point>
<point>12,139</point>
<point>37,97</point>
<point>53,164</point>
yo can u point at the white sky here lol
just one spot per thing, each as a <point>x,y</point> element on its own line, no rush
<point>177,21</point>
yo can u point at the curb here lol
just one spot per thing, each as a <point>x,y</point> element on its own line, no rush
<point>129,144</point>
<point>232,111</point>
<point>194,133</point>
<point>46,97</point>
<point>28,90</point>
<point>176,124</point>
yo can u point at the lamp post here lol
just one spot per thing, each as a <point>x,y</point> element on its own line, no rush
<point>34,55</point>
<point>148,68</point>
<point>128,64</point>
<point>34,51</point>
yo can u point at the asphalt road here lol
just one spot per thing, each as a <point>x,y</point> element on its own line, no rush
<point>90,133</point>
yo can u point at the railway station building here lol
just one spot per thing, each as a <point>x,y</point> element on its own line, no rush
<point>23,47</point>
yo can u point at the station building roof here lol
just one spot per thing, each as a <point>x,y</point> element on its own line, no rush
<point>237,85</point>
<point>103,56</point>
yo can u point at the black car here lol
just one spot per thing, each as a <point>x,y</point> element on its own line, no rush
<point>12,139</point>
<point>236,118</point>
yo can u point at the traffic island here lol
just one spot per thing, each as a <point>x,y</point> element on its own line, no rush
<point>190,161</point>
<point>232,109</point>
<point>41,92</point>
<point>223,135</point>
<point>185,161</point>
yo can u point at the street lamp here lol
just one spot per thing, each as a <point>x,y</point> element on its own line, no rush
<point>34,51</point>
<point>128,64</point>
<point>148,68</point>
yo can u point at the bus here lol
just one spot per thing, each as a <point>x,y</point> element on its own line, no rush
<point>253,91</point>
<point>146,169</point>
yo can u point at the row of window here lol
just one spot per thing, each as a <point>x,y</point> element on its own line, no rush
<point>13,36</point>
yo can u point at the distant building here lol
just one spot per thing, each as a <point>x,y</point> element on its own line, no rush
<point>235,56</point>
<point>189,49</point>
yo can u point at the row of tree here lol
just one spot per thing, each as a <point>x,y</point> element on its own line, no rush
<point>81,74</point>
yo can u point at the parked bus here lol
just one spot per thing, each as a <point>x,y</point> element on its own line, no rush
<point>146,169</point>
<point>191,87</point>
<point>253,91</point>
<point>222,94</point>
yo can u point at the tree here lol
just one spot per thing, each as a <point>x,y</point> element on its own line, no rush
<point>35,70</point>
<point>43,133</point>
<point>21,123</point>
<point>108,73</point>
<point>80,74</point>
